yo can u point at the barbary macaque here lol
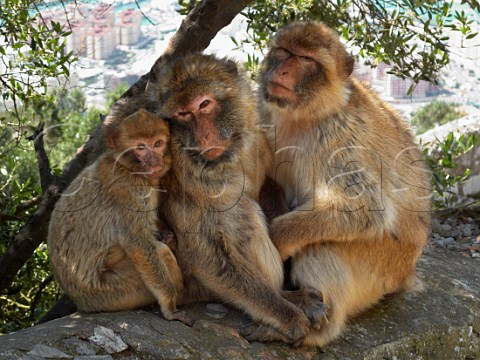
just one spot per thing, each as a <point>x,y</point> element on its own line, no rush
<point>355,182</point>
<point>103,232</point>
<point>219,162</point>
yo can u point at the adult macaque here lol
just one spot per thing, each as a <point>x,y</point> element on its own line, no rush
<point>354,179</point>
<point>219,158</point>
<point>102,235</point>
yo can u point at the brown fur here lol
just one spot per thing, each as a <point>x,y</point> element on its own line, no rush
<point>352,174</point>
<point>272,199</point>
<point>219,159</point>
<point>101,239</point>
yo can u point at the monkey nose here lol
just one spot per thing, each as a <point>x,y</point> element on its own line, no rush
<point>213,152</point>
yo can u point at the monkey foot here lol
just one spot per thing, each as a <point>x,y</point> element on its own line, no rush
<point>310,301</point>
<point>264,333</point>
<point>179,316</point>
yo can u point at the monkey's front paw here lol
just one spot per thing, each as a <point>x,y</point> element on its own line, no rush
<point>168,238</point>
<point>297,329</point>
<point>310,301</point>
<point>259,332</point>
<point>179,316</point>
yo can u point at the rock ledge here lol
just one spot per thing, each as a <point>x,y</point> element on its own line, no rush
<point>440,322</point>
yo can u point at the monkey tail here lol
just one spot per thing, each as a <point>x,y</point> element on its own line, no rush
<point>63,307</point>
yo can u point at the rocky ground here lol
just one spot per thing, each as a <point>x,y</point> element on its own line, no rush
<point>457,233</point>
<point>442,322</point>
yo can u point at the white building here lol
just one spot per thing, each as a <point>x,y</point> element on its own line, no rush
<point>128,27</point>
<point>101,42</point>
<point>77,40</point>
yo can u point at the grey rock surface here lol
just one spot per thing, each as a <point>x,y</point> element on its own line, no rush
<point>440,322</point>
<point>463,235</point>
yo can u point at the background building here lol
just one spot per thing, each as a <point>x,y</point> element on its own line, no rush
<point>128,27</point>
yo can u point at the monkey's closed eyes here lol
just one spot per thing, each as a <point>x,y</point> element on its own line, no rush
<point>352,235</point>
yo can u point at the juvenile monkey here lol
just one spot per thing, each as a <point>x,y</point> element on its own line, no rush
<point>219,157</point>
<point>355,181</point>
<point>102,234</point>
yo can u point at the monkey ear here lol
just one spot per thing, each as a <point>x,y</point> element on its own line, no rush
<point>232,67</point>
<point>111,133</point>
<point>349,64</point>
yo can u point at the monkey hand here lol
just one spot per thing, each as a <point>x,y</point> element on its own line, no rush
<point>264,333</point>
<point>179,316</point>
<point>168,238</point>
<point>310,301</point>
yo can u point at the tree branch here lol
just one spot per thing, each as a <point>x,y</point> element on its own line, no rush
<point>46,176</point>
<point>27,205</point>
<point>194,35</point>
<point>9,217</point>
<point>28,238</point>
<point>35,229</point>
<point>198,28</point>
<point>21,208</point>
<point>467,211</point>
<point>203,23</point>
<point>38,294</point>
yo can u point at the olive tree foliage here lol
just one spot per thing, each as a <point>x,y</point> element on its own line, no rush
<point>32,56</point>
<point>444,159</point>
<point>411,35</point>
<point>31,53</point>
<point>433,114</point>
<point>34,69</point>
<point>67,125</point>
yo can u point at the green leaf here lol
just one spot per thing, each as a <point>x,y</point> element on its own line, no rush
<point>16,187</point>
<point>471,36</point>
<point>234,40</point>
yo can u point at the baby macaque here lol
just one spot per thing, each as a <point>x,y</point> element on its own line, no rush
<point>103,232</point>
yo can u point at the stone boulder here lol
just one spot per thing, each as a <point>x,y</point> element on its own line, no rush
<point>440,322</point>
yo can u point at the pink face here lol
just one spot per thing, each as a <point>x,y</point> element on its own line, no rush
<point>290,70</point>
<point>202,112</point>
<point>151,152</point>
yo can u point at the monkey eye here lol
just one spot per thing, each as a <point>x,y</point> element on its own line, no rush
<point>204,104</point>
<point>141,147</point>
<point>158,143</point>
<point>283,53</point>
<point>307,59</point>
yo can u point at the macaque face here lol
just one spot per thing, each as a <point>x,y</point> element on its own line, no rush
<point>200,115</point>
<point>198,96</point>
<point>149,154</point>
<point>141,144</point>
<point>291,76</point>
<point>305,59</point>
